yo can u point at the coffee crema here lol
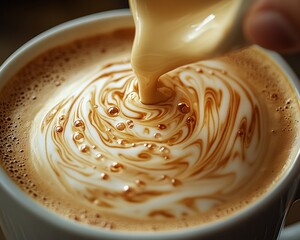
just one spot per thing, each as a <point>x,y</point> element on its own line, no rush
<point>189,154</point>
<point>77,139</point>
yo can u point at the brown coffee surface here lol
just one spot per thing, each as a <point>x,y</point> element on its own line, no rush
<point>76,138</point>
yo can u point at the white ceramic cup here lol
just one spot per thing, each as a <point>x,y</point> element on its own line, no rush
<point>22,218</point>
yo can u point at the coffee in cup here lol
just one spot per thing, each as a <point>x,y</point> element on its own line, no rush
<point>76,138</point>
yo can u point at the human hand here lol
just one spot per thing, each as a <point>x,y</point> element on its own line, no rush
<point>274,24</point>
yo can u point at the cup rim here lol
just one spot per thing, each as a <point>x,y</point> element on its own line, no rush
<point>83,230</point>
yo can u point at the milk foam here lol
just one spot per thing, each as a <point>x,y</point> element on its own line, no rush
<point>102,146</point>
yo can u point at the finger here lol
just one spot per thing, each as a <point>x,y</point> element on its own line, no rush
<point>274,24</point>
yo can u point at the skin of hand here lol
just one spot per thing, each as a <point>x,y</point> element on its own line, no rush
<point>274,24</point>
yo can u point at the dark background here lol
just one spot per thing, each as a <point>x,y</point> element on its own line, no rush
<point>22,20</point>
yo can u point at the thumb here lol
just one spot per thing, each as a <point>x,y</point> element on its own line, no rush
<point>274,24</point>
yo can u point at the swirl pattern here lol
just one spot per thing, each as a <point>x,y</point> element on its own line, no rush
<point>178,158</point>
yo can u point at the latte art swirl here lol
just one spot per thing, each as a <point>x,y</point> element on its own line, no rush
<point>181,157</point>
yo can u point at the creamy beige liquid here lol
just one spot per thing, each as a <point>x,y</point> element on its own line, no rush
<point>172,33</point>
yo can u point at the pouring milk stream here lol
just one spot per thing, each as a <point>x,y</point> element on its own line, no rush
<point>172,33</point>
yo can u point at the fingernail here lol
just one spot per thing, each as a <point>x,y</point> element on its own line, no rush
<point>274,30</point>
